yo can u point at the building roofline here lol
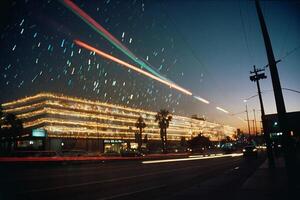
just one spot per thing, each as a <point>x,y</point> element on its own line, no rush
<point>88,101</point>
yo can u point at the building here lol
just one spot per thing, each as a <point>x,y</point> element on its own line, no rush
<point>292,120</point>
<point>57,122</point>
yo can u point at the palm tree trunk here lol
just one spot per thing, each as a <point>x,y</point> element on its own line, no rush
<point>166,140</point>
<point>166,144</point>
<point>140,140</point>
<point>162,139</point>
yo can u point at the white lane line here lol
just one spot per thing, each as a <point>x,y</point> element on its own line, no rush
<point>131,193</point>
<point>217,154</point>
<point>200,157</point>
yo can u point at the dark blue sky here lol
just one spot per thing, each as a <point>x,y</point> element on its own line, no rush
<point>208,47</point>
<point>228,51</point>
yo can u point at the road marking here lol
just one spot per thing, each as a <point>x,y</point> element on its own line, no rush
<point>131,193</point>
<point>200,157</point>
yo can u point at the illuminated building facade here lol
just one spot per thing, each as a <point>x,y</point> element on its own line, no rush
<point>68,122</point>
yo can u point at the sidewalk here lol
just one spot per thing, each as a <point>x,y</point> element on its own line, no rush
<point>246,182</point>
<point>266,184</point>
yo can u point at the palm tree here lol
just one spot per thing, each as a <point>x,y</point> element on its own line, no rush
<point>163,117</point>
<point>140,124</point>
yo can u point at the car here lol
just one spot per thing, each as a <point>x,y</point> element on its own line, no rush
<point>250,151</point>
<point>228,148</point>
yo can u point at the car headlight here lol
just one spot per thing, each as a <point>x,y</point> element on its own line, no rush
<point>254,150</point>
<point>244,150</point>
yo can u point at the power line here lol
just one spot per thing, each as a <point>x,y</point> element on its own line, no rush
<point>244,32</point>
<point>264,91</point>
<point>290,52</point>
<point>291,90</point>
<point>183,38</point>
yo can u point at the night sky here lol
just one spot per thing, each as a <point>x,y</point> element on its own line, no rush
<point>207,47</point>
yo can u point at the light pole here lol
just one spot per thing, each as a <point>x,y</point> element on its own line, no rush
<point>253,126</point>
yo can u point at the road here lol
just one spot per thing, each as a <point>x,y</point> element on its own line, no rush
<point>129,180</point>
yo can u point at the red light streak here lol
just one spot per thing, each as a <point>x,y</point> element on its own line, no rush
<point>125,64</point>
<point>90,20</point>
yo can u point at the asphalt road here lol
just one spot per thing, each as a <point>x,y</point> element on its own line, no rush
<point>208,178</point>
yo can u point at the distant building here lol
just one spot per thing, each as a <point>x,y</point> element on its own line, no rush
<point>292,120</point>
<point>57,122</point>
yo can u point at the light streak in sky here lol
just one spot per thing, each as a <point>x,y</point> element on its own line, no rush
<point>108,36</point>
<point>221,109</point>
<point>201,99</point>
<point>125,64</point>
<point>114,41</point>
<point>191,158</point>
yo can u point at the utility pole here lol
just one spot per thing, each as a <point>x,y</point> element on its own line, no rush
<point>253,125</point>
<point>255,122</point>
<point>272,65</point>
<point>256,77</point>
<point>288,148</point>
<point>248,120</point>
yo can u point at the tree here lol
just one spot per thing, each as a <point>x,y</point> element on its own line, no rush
<point>140,124</point>
<point>199,142</point>
<point>163,117</point>
<point>11,128</point>
<point>228,139</point>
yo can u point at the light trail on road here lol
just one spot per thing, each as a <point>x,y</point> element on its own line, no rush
<point>200,157</point>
